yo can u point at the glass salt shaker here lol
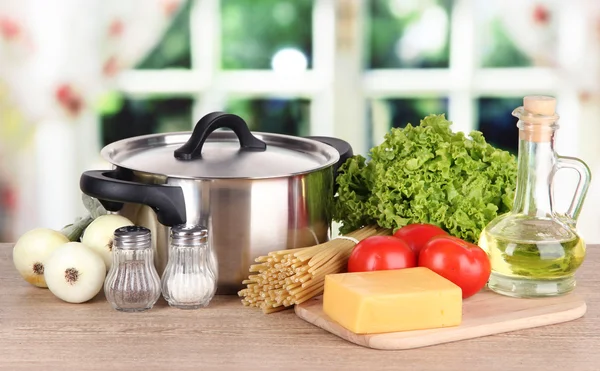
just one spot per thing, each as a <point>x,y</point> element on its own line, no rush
<point>132,283</point>
<point>189,280</point>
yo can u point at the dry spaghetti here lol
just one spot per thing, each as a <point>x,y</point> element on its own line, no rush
<point>287,277</point>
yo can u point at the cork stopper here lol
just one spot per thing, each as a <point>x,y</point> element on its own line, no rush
<point>540,105</point>
<point>538,117</point>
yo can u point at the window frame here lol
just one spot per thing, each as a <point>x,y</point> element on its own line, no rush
<point>338,86</point>
<point>340,89</point>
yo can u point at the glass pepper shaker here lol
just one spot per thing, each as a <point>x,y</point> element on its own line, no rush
<point>132,284</point>
<point>189,280</point>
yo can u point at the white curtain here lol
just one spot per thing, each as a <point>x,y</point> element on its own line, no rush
<point>56,60</point>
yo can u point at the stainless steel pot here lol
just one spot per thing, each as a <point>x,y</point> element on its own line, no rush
<point>255,192</point>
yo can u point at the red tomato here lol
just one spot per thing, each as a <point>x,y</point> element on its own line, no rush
<point>418,234</point>
<point>378,253</point>
<point>461,262</point>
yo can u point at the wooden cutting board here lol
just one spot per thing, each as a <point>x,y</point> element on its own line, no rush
<point>484,314</point>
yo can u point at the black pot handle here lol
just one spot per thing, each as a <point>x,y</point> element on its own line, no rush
<point>343,147</point>
<point>111,192</point>
<point>192,149</point>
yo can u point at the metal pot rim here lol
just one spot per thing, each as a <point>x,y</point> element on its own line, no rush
<point>222,158</point>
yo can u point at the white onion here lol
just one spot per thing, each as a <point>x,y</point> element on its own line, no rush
<point>99,235</point>
<point>32,250</point>
<point>74,273</point>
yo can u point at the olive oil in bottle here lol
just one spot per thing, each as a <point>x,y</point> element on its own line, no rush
<point>534,251</point>
<point>533,264</point>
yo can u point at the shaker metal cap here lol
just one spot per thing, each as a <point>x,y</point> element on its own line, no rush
<point>186,233</point>
<point>132,237</point>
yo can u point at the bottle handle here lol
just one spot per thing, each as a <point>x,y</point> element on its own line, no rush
<point>585,177</point>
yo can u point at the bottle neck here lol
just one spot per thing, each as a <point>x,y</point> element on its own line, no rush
<point>536,162</point>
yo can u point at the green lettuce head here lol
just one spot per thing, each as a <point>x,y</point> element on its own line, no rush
<point>427,174</point>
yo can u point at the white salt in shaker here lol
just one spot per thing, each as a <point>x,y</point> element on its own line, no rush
<point>189,280</point>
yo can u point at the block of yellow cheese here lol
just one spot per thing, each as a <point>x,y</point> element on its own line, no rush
<point>392,300</point>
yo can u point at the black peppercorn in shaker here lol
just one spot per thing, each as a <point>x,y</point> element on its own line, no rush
<point>132,284</point>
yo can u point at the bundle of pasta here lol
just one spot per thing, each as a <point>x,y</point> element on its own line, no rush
<point>287,277</point>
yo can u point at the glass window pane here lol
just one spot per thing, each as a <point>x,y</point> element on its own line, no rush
<point>257,34</point>
<point>516,33</point>
<point>388,113</point>
<point>173,51</point>
<point>281,116</point>
<point>496,122</point>
<point>408,33</point>
<point>146,116</point>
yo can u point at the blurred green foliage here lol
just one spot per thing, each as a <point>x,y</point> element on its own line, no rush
<point>147,116</point>
<point>499,50</point>
<point>385,27</point>
<point>494,117</point>
<point>253,31</point>
<point>173,51</point>
<point>283,116</point>
<point>405,111</point>
<point>497,123</point>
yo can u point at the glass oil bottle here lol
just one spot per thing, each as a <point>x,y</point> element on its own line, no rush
<point>534,250</point>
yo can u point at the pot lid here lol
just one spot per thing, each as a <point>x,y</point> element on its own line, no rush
<point>206,154</point>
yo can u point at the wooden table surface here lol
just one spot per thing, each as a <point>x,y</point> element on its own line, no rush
<point>40,332</point>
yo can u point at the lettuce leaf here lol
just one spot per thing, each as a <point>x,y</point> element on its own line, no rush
<point>427,174</point>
